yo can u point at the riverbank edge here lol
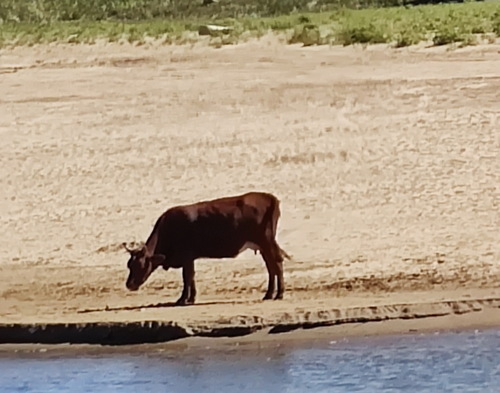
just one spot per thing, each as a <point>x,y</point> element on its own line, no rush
<point>465,24</point>
<point>149,332</point>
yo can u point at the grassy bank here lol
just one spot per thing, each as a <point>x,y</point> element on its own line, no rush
<point>466,23</point>
<point>42,11</point>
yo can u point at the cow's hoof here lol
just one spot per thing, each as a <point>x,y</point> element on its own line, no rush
<point>268,297</point>
<point>279,296</point>
<point>181,302</point>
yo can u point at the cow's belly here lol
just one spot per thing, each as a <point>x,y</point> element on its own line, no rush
<point>249,246</point>
<point>225,250</point>
<point>213,241</point>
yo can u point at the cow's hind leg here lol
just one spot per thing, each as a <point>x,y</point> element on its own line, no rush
<point>274,261</point>
<point>270,261</point>
<point>278,257</point>
<point>270,284</point>
<point>281,281</point>
<point>188,294</point>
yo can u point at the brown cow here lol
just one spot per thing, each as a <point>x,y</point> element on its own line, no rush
<point>221,228</point>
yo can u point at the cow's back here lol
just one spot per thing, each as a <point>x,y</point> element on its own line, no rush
<point>218,228</point>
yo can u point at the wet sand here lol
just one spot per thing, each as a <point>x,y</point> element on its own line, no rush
<point>299,338</point>
<point>385,162</point>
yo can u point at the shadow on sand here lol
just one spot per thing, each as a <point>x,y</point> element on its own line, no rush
<point>157,305</point>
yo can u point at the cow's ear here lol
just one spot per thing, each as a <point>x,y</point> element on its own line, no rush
<point>157,260</point>
<point>125,246</point>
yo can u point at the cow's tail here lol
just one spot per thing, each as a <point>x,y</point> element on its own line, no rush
<point>275,215</point>
<point>284,254</point>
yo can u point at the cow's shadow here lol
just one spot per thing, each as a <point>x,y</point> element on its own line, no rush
<point>159,305</point>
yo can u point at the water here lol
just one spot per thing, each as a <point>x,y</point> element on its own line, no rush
<point>451,362</point>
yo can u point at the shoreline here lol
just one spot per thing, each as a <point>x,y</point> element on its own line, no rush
<point>350,322</point>
<point>262,340</point>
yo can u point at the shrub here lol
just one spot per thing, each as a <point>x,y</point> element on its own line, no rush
<point>447,35</point>
<point>407,37</point>
<point>495,21</point>
<point>307,35</point>
<point>362,34</point>
<point>469,40</point>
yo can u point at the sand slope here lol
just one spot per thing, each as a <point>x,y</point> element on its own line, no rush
<point>386,162</point>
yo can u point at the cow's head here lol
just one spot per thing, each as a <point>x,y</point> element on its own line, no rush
<point>141,264</point>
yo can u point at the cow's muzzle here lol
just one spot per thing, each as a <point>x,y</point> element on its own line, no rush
<point>132,286</point>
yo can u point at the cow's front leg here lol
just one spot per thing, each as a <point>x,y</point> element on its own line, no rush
<point>192,292</point>
<point>188,280</point>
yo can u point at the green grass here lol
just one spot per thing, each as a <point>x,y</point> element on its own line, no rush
<point>42,11</point>
<point>401,26</point>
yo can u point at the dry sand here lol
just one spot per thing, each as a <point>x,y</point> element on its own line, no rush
<point>387,163</point>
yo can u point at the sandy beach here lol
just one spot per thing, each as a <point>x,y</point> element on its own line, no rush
<point>386,162</point>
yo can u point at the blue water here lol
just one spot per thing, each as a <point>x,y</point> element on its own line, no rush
<point>451,362</point>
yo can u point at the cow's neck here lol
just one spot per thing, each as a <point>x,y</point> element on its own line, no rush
<point>152,242</point>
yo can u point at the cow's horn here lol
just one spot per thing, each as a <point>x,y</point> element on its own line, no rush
<point>126,247</point>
